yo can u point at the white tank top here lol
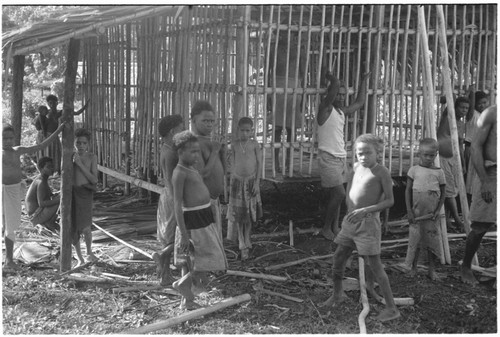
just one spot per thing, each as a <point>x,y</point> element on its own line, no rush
<point>331,134</point>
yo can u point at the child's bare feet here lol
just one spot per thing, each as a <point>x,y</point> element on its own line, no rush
<point>334,299</point>
<point>245,254</point>
<point>189,305</point>
<point>92,258</point>
<point>433,275</point>
<point>80,263</point>
<point>467,276</point>
<point>412,272</point>
<point>374,294</point>
<point>388,314</point>
<point>183,286</point>
<point>11,265</point>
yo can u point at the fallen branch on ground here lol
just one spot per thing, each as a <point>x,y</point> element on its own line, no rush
<point>288,264</point>
<point>255,275</point>
<point>189,315</point>
<point>123,242</point>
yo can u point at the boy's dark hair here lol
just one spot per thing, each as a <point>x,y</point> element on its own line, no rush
<point>200,106</point>
<point>245,121</point>
<point>430,142</point>
<point>8,127</point>
<point>168,123</point>
<point>42,108</point>
<point>52,98</point>
<point>40,164</point>
<point>81,132</point>
<point>480,95</point>
<point>461,100</point>
<point>376,141</point>
<point>182,138</point>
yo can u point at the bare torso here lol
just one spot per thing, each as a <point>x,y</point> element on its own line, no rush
<point>366,187</point>
<point>38,188</point>
<point>215,178</point>
<point>490,145</point>
<point>195,192</point>
<point>89,160</point>
<point>245,158</point>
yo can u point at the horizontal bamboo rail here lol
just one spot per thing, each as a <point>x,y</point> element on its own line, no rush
<point>138,182</point>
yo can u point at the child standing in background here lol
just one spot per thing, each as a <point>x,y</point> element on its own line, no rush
<point>425,194</point>
<point>168,127</point>
<point>84,185</point>
<point>245,206</point>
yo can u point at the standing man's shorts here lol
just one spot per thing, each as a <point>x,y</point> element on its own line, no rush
<point>332,170</point>
<point>365,236</point>
<point>451,175</point>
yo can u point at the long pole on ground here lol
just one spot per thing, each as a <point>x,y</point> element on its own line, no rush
<point>67,153</point>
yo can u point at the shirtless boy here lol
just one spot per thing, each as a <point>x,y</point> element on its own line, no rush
<point>212,155</point>
<point>369,191</point>
<point>84,186</point>
<point>197,239</point>
<point>168,127</point>
<point>41,204</point>
<point>11,186</point>
<point>483,212</point>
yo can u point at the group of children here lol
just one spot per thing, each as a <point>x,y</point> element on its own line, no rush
<point>189,217</point>
<point>41,203</point>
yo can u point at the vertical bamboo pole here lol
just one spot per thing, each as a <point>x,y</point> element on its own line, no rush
<point>303,126</point>
<point>371,123</point>
<point>387,76</point>
<point>358,74</point>
<point>428,111</point>
<point>414,98</point>
<point>445,68</point>
<point>242,67</point>
<point>267,80</point>
<point>275,60</point>
<point>128,85</point>
<point>402,88</point>
<point>67,154</point>
<point>17,97</point>
<point>371,103</point>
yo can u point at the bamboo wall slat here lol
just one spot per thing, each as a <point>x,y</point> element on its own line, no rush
<point>175,62</point>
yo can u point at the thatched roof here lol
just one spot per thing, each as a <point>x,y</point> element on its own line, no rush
<point>78,22</point>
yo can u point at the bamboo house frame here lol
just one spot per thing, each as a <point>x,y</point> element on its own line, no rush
<point>137,69</point>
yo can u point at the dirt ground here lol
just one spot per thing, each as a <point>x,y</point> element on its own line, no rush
<point>39,300</point>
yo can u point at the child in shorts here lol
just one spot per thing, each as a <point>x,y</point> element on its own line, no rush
<point>245,205</point>
<point>198,244</point>
<point>425,194</point>
<point>369,191</point>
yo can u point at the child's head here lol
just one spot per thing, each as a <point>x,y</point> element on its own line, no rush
<point>42,110</point>
<point>481,101</point>
<point>170,125</point>
<point>52,100</point>
<point>368,147</point>
<point>187,147</point>
<point>245,126</point>
<point>461,107</point>
<point>82,139</point>
<point>428,149</point>
<point>203,118</point>
<point>45,165</point>
<point>8,136</point>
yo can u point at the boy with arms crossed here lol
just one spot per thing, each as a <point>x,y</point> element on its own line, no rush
<point>168,127</point>
<point>41,204</point>
<point>11,186</point>
<point>369,191</point>
<point>245,205</point>
<point>198,244</point>
<point>84,186</point>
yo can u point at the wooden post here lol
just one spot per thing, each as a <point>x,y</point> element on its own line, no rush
<point>128,105</point>
<point>17,97</point>
<point>430,127</point>
<point>67,153</point>
<point>376,57</point>
<point>240,98</point>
